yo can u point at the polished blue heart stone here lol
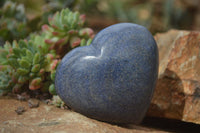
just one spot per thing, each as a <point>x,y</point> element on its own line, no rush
<point>113,79</point>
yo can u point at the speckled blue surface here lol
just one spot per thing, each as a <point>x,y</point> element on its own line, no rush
<point>113,79</point>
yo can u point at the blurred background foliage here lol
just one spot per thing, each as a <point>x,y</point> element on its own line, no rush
<point>19,18</point>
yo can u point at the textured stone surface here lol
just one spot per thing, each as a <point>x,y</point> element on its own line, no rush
<point>112,79</point>
<point>49,119</point>
<point>177,94</point>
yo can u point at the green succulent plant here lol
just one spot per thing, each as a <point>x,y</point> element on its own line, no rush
<point>57,101</point>
<point>28,64</point>
<point>6,83</point>
<point>65,29</point>
<point>32,63</point>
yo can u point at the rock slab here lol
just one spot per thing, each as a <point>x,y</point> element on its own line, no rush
<point>50,119</point>
<point>177,94</point>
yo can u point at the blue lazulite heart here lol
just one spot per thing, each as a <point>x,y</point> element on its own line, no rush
<point>113,79</point>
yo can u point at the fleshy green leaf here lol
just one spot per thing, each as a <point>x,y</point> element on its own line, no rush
<point>24,63</point>
<point>22,71</point>
<point>29,55</point>
<point>35,68</point>
<point>22,79</point>
<point>53,75</point>
<point>17,52</point>
<point>52,89</point>
<point>36,59</point>
<point>13,62</point>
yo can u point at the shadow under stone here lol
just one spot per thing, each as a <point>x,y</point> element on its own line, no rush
<point>170,125</point>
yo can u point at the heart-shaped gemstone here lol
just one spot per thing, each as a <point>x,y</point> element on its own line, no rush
<point>112,79</point>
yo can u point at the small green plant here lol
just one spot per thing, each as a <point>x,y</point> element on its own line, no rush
<point>32,63</point>
<point>64,28</point>
<point>27,65</point>
<point>6,83</point>
<point>57,101</point>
